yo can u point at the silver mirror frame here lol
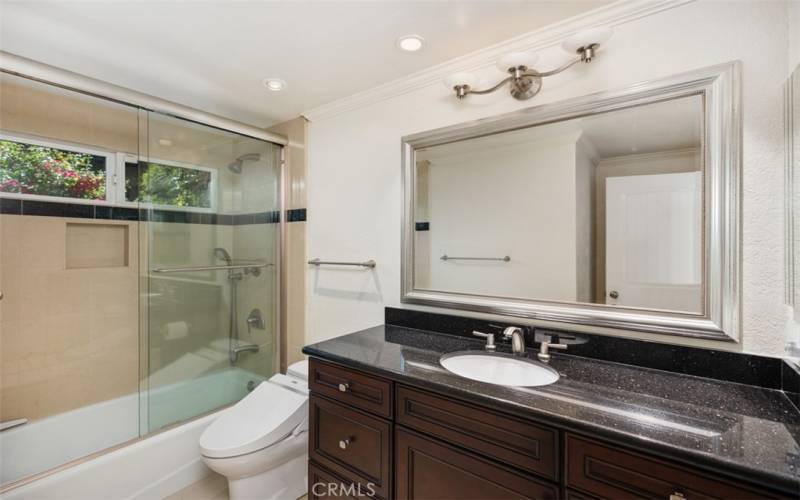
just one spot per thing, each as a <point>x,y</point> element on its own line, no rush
<point>720,87</point>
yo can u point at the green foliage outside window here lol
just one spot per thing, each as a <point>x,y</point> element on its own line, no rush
<point>47,171</point>
<point>176,186</point>
<point>31,169</point>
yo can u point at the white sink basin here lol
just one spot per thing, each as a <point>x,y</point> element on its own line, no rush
<point>500,369</point>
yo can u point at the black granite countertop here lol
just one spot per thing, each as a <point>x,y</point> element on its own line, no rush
<point>743,431</point>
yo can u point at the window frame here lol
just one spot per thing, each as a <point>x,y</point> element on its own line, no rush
<point>115,171</point>
<point>111,160</point>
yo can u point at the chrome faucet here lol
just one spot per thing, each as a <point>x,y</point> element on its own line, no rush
<point>517,337</point>
<point>544,349</point>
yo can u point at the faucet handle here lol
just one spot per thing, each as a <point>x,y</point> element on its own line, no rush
<point>490,346</point>
<point>544,350</point>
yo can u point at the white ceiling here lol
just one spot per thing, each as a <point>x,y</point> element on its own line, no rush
<point>214,55</point>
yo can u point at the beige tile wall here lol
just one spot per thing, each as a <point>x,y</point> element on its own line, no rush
<point>295,258</point>
<point>68,337</point>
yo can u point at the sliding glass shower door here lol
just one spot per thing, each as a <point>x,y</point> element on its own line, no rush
<point>210,291</point>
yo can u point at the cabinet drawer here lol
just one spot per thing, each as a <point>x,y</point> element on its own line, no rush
<point>504,438</point>
<point>352,444</point>
<point>323,484</point>
<point>613,473</point>
<point>354,388</point>
<point>429,469</point>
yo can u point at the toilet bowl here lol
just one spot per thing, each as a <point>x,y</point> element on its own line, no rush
<point>261,443</point>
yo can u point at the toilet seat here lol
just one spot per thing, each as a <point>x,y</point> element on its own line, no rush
<point>265,416</point>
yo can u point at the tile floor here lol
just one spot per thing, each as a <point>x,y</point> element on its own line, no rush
<point>212,487</point>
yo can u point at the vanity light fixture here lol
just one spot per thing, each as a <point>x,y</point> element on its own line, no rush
<point>274,84</point>
<point>525,82</point>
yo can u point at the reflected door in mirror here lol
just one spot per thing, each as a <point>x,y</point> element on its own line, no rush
<point>654,241</point>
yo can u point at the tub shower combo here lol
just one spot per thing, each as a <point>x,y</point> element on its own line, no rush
<point>139,267</point>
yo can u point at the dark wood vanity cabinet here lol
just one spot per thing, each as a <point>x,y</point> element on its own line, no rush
<point>373,437</point>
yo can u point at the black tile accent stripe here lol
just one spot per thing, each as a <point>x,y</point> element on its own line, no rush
<point>14,206</point>
<point>761,371</point>
<point>296,215</point>
<point>10,206</point>
<point>422,226</point>
<point>50,209</point>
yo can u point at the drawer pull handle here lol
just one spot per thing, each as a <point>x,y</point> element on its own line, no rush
<point>344,443</point>
<point>677,496</point>
<point>344,387</point>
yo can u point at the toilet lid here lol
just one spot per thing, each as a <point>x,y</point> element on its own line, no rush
<point>262,418</point>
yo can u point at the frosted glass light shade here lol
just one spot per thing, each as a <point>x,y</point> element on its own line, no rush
<point>462,78</point>
<point>586,38</point>
<point>516,59</point>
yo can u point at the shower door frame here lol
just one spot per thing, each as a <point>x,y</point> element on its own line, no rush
<point>32,70</point>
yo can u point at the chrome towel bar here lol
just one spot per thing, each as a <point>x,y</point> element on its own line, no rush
<point>504,258</point>
<point>10,424</point>
<point>251,265</point>
<point>316,262</point>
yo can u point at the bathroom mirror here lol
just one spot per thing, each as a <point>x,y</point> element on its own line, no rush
<point>617,209</point>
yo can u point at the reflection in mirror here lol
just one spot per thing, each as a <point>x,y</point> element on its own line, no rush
<point>602,209</point>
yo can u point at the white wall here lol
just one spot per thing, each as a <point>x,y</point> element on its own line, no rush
<point>584,227</point>
<point>516,200</point>
<point>354,159</point>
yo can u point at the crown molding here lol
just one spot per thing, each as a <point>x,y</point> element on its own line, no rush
<point>614,14</point>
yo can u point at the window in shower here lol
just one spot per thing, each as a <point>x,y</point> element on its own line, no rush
<point>32,168</point>
<point>168,184</point>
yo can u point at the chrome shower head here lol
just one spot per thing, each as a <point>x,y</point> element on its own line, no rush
<point>222,254</point>
<point>236,165</point>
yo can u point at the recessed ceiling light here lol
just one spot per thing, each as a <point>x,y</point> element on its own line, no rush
<point>274,84</point>
<point>410,43</point>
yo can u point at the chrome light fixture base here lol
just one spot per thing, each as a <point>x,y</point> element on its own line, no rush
<point>525,87</point>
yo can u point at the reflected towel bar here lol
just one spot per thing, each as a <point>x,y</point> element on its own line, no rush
<point>252,265</point>
<point>316,262</point>
<point>504,259</point>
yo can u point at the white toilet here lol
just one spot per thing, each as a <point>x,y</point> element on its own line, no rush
<point>261,443</point>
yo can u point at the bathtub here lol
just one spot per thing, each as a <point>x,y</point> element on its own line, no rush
<point>140,470</point>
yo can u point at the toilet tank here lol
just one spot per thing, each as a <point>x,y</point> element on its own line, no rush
<point>298,370</point>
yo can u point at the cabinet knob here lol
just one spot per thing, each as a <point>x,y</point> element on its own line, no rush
<point>344,387</point>
<point>344,443</point>
<point>677,496</point>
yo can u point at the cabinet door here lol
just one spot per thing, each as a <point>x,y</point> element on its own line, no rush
<point>351,444</point>
<point>608,472</point>
<point>428,469</point>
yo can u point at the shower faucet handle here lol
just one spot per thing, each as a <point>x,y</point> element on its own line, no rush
<point>255,320</point>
